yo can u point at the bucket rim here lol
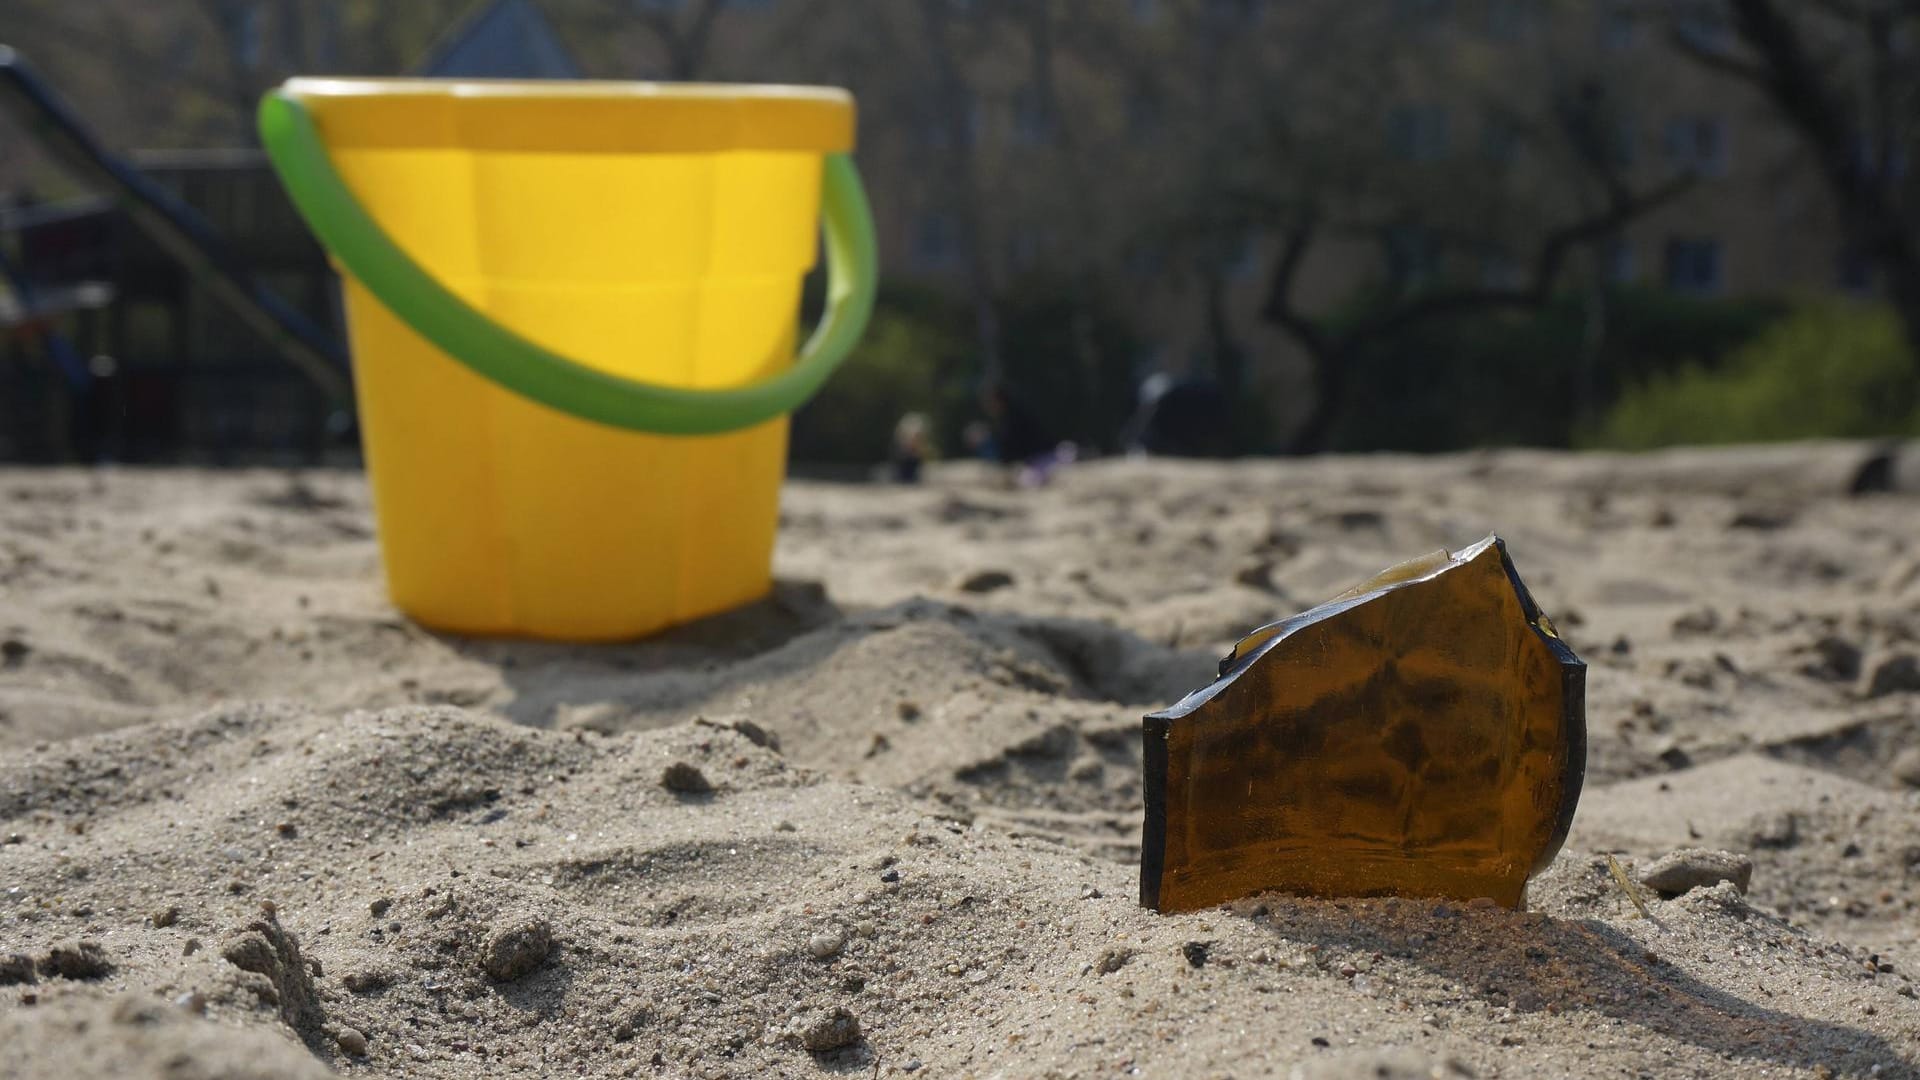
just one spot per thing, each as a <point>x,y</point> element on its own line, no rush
<point>576,116</point>
<point>562,90</point>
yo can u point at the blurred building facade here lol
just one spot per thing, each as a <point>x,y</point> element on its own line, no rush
<point>1007,141</point>
<point>1168,155</point>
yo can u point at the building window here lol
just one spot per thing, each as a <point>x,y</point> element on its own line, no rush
<point>1867,159</point>
<point>1855,271</point>
<point>1509,20</point>
<point>1701,26</point>
<point>1234,10</point>
<point>1240,256</point>
<point>1032,120</point>
<point>1027,247</point>
<point>1418,132</point>
<point>1617,262</point>
<point>936,240</point>
<point>1427,11</point>
<point>937,128</point>
<point>250,48</point>
<point>1412,256</point>
<point>1619,27</point>
<point>1693,264</point>
<point>1144,114</point>
<point>1499,138</point>
<point>1698,144</point>
<point>1146,262</point>
<point>1623,142</point>
<point>1501,272</point>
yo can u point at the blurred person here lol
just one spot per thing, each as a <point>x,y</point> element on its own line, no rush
<point>1179,418</point>
<point>911,448</point>
<point>1020,440</point>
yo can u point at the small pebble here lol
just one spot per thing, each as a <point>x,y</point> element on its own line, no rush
<point>890,876</point>
<point>516,948</point>
<point>986,581</point>
<point>352,1041</point>
<point>1781,830</point>
<point>15,968</point>
<point>1196,952</point>
<point>1112,960</point>
<point>1895,674</point>
<point>685,779</point>
<point>830,1030</point>
<point>76,960</point>
<point>1839,659</point>
<point>165,917</point>
<point>756,734</point>
<point>1906,766</point>
<point>1696,868</point>
<point>826,945</point>
<point>193,1001</point>
<point>379,907</point>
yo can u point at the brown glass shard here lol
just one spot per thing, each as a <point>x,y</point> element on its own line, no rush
<point>1423,735</point>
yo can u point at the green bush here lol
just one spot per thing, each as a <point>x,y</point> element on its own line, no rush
<point>1830,370</point>
<point>1531,379</point>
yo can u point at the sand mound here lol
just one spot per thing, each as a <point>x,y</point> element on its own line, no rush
<point>256,824</point>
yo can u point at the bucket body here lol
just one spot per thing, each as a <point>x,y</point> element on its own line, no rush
<point>653,233</point>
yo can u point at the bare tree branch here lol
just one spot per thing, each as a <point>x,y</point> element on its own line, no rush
<point>1715,59</point>
<point>1279,309</point>
<point>1814,107</point>
<point>686,48</point>
<point>954,99</point>
<point>1552,257</point>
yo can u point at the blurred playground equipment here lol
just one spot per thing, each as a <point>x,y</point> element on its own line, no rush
<point>84,270</point>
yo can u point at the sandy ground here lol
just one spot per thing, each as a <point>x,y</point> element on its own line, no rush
<point>256,824</point>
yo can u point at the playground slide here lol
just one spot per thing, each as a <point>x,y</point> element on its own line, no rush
<point>173,225</point>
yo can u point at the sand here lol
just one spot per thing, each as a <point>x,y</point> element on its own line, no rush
<point>887,822</point>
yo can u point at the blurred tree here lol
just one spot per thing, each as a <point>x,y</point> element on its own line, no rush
<point>662,39</point>
<point>1832,370</point>
<point>910,360</point>
<point>684,35</point>
<point>1844,75</point>
<point>953,113</point>
<point>1343,135</point>
<point>188,73</point>
<point>1512,378</point>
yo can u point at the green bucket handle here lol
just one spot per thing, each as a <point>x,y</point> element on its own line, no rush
<point>469,336</point>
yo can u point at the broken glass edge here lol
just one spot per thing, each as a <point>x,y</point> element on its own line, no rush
<point>1573,718</point>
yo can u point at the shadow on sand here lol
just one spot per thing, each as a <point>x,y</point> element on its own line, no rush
<point>1535,963</point>
<point>798,627</point>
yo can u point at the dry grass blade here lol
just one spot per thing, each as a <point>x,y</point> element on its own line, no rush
<point>1626,886</point>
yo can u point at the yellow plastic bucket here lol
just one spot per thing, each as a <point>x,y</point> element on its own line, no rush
<point>571,309</point>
